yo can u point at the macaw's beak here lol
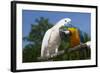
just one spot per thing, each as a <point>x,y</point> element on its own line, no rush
<point>67,32</point>
<point>64,34</point>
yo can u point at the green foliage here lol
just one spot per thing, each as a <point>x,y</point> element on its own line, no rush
<point>33,49</point>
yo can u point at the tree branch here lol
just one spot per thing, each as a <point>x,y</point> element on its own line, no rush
<point>79,47</point>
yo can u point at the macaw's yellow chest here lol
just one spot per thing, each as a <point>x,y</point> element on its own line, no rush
<point>74,37</point>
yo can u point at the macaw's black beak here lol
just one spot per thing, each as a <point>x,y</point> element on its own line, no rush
<point>64,33</point>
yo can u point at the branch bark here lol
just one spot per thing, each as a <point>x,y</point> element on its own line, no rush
<point>79,47</point>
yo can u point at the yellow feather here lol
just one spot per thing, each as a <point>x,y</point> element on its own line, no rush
<point>74,38</point>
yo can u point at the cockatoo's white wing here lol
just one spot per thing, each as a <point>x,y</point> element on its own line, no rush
<point>45,41</point>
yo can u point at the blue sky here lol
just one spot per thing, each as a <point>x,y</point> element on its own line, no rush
<point>80,20</point>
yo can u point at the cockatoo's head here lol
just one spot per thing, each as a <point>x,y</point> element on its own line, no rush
<point>65,21</point>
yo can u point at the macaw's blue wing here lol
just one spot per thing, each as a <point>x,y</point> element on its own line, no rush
<point>81,36</point>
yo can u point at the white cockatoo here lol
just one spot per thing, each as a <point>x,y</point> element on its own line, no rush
<point>51,39</point>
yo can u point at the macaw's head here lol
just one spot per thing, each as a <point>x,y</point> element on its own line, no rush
<point>64,33</point>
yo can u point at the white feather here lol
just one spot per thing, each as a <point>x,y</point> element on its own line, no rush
<point>45,41</point>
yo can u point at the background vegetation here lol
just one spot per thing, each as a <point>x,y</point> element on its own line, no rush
<point>32,50</point>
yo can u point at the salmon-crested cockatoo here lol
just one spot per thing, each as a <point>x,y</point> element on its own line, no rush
<point>51,40</point>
